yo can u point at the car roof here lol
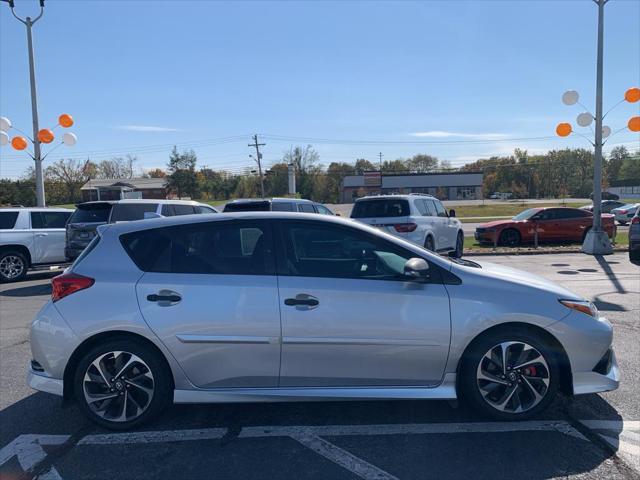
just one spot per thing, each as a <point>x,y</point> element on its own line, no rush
<point>401,196</point>
<point>35,209</point>
<point>274,199</point>
<point>157,201</point>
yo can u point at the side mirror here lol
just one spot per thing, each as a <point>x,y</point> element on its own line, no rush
<point>416,268</point>
<point>148,215</point>
<point>338,215</point>
<point>452,213</point>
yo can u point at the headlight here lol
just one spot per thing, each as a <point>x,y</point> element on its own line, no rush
<point>582,306</point>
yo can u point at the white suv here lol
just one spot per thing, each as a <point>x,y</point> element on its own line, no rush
<point>418,218</point>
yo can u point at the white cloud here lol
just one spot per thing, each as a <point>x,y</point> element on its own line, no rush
<point>472,136</point>
<point>145,128</point>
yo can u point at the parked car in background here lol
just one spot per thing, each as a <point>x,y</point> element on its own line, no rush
<point>625,213</point>
<point>606,206</point>
<point>276,205</point>
<point>555,224</point>
<point>257,306</point>
<point>418,218</point>
<point>31,238</point>
<point>607,196</point>
<point>634,238</point>
<point>90,215</point>
<point>501,196</point>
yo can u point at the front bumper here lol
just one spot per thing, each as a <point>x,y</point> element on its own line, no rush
<point>595,382</point>
<point>45,384</point>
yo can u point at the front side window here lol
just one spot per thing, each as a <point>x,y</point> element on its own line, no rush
<point>306,208</point>
<point>183,209</point>
<point>283,207</point>
<point>322,210</point>
<point>229,248</point>
<point>440,209</point>
<point>126,212</point>
<point>317,250</point>
<point>49,219</point>
<point>8,220</point>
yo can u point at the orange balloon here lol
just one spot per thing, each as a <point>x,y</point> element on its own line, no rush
<point>563,129</point>
<point>634,124</point>
<point>19,143</point>
<point>45,135</point>
<point>632,95</point>
<point>65,120</point>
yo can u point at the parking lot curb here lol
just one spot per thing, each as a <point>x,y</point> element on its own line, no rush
<point>530,251</point>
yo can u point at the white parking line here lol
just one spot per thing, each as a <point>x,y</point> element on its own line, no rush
<point>29,452</point>
<point>622,435</point>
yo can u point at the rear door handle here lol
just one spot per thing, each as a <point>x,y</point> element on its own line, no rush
<point>302,300</point>
<point>41,234</point>
<point>164,297</point>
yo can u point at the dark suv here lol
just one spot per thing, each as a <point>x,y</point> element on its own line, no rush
<point>88,216</point>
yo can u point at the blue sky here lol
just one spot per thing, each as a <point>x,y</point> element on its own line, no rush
<point>139,76</point>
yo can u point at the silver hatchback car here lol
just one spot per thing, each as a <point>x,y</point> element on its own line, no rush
<point>261,306</point>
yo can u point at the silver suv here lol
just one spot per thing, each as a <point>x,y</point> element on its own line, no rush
<point>30,238</point>
<point>418,218</point>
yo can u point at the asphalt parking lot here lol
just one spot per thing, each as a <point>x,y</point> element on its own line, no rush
<point>591,436</point>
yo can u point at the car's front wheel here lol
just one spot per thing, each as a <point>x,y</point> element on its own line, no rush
<point>459,245</point>
<point>509,375</point>
<point>510,238</point>
<point>122,383</point>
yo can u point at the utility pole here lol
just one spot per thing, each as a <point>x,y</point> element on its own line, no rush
<point>596,241</point>
<point>380,156</point>
<point>258,161</point>
<point>37,155</point>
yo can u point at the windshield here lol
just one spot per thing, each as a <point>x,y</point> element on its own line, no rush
<point>526,215</point>
<point>380,208</point>
<point>95,213</point>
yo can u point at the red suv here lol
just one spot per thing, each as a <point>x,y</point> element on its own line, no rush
<point>555,224</point>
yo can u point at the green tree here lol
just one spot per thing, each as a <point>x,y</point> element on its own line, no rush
<point>182,178</point>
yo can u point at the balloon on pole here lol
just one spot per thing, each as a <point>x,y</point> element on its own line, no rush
<point>563,129</point>
<point>45,135</point>
<point>570,97</point>
<point>19,143</point>
<point>69,139</point>
<point>65,120</point>
<point>606,131</point>
<point>632,95</point>
<point>584,119</point>
<point>5,124</point>
<point>634,124</point>
<point>4,138</point>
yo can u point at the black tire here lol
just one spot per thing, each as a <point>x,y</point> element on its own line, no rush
<point>634,256</point>
<point>510,238</point>
<point>469,383</point>
<point>13,266</point>
<point>459,246</point>
<point>161,385</point>
<point>428,243</point>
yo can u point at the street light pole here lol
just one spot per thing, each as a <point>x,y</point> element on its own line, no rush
<point>596,241</point>
<point>37,155</point>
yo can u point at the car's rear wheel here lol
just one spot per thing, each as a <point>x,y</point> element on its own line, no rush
<point>509,375</point>
<point>122,383</point>
<point>13,266</point>
<point>459,245</point>
<point>429,244</point>
<point>510,238</point>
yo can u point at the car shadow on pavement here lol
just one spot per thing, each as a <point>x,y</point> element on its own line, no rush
<point>42,414</point>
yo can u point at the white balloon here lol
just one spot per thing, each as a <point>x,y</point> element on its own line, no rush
<point>4,138</point>
<point>606,131</point>
<point>69,139</point>
<point>570,97</point>
<point>584,119</point>
<point>5,124</point>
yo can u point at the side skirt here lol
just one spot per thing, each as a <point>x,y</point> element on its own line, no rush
<point>445,391</point>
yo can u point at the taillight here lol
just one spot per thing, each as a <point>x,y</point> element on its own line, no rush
<point>635,220</point>
<point>68,283</point>
<point>405,227</point>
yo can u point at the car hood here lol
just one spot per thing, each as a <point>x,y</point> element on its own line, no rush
<point>520,277</point>
<point>497,223</point>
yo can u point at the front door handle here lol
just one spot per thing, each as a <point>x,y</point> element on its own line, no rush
<point>41,234</point>
<point>302,300</point>
<point>163,296</point>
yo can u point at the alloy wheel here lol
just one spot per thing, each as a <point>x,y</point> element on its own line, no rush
<point>118,386</point>
<point>513,377</point>
<point>11,266</point>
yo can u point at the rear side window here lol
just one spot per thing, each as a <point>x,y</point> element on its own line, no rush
<point>183,209</point>
<point>203,209</point>
<point>91,214</point>
<point>49,219</point>
<point>167,210</point>
<point>283,207</point>
<point>227,248</point>
<point>126,212</point>
<point>8,220</point>
<point>306,208</point>
<point>431,208</point>
<point>380,208</point>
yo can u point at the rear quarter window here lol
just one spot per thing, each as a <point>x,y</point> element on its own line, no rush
<point>8,220</point>
<point>380,208</point>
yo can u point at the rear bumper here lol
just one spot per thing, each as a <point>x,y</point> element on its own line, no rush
<point>45,384</point>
